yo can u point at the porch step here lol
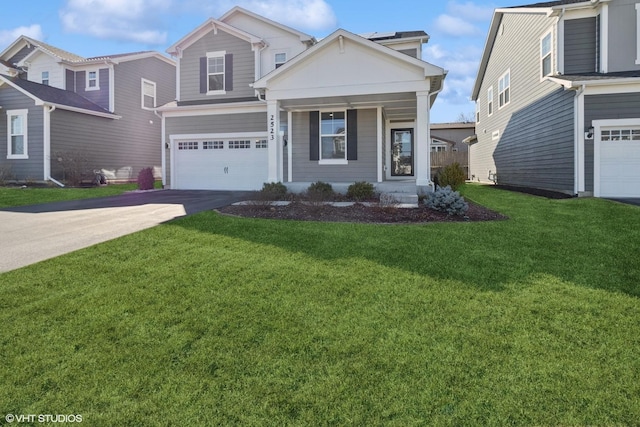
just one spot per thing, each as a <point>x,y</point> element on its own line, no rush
<point>400,198</point>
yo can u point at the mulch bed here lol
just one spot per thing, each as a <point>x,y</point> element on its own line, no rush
<point>359,213</point>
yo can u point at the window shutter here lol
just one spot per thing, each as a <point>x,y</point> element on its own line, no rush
<point>203,75</point>
<point>228,72</point>
<point>352,134</point>
<point>314,135</point>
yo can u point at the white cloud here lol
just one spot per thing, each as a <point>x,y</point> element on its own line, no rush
<point>455,26</point>
<point>470,11</point>
<point>125,20</point>
<point>299,14</point>
<point>9,36</point>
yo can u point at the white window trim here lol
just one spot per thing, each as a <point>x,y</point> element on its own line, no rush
<point>490,102</point>
<point>344,161</point>
<point>550,54</point>
<point>508,72</point>
<point>637,33</point>
<point>217,54</point>
<point>142,84</point>
<point>477,111</point>
<point>280,52</point>
<point>97,86</point>
<point>25,127</point>
<point>43,79</point>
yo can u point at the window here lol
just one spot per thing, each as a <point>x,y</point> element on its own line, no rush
<point>148,95</point>
<point>545,55</point>
<point>490,101</point>
<point>17,134</point>
<point>333,136</point>
<point>280,58</point>
<point>215,73</point>
<point>620,135</point>
<point>92,80</point>
<point>477,111</point>
<point>504,85</point>
<point>213,145</point>
<point>45,78</point>
<point>188,145</point>
<point>242,144</point>
<point>261,143</point>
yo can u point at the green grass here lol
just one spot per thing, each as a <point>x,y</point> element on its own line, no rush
<point>18,196</point>
<point>215,320</point>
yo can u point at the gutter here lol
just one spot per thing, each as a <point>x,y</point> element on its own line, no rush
<point>47,145</point>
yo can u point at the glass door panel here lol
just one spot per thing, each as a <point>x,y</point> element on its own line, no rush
<point>402,152</point>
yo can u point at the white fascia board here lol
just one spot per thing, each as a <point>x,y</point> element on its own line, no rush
<point>628,82</point>
<point>212,109</point>
<point>210,25</point>
<point>80,110</point>
<point>349,90</point>
<point>144,55</point>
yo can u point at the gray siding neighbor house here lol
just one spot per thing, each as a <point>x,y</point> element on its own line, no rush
<point>56,105</point>
<point>558,98</point>
<point>258,101</point>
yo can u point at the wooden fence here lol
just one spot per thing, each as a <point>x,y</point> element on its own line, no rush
<point>440,159</point>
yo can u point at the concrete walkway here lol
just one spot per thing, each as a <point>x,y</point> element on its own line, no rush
<point>29,234</point>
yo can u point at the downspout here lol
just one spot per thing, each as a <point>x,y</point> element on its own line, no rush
<point>163,147</point>
<point>579,141</point>
<point>47,145</point>
<point>432,94</point>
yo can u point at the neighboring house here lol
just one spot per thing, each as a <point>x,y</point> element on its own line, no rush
<point>558,98</point>
<point>102,110</point>
<point>448,146</point>
<point>258,102</point>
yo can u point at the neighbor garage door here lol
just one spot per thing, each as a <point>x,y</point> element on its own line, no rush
<point>215,163</point>
<point>619,150</point>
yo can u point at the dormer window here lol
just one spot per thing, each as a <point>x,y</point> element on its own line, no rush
<point>92,80</point>
<point>45,78</point>
<point>280,59</point>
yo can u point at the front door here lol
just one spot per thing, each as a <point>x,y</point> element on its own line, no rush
<point>402,152</point>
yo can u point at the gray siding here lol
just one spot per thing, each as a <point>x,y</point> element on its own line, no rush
<point>363,169</point>
<point>535,143</point>
<point>22,53</point>
<point>243,67</point>
<point>22,169</point>
<point>454,134</point>
<point>622,35</point>
<point>100,97</point>
<point>128,144</point>
<point>580,46</point>
<point>225,123</point>
<point>601,107</point>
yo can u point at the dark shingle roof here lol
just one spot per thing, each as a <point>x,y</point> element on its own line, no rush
<point>550,3</point>
<point>394,35</point>
<point>57,96</point>
<point>598,76</point>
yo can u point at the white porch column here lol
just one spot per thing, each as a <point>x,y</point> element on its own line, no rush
<point>274,141</point>
<point>423,136</point>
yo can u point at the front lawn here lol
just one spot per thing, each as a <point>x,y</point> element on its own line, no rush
<point>218,320</point>
<point>23,196</point>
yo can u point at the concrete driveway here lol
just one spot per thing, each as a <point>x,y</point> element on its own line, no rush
<point>29,234</point>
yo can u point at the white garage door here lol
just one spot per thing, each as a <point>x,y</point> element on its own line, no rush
<point>619,162</point>
<point>236,163</point>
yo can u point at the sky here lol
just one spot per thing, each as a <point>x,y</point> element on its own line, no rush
<point>457,29</point>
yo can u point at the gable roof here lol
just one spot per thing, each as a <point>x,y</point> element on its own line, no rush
<point>547,8</point>
<point>430,70</point>
<point>305,38</point>
<point>577,80</point>
<point>206,27</point>
<point>63,99</point>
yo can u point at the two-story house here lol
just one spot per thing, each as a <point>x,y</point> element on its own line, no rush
<point>258,101</point>
<point>102,110</point>
<point>558,98</point>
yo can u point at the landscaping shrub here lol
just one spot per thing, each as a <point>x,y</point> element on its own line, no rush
<point>452,175</point>
<point>5,174</point>
<point>447,200</point>
<point>273,191</point>
<point>360,190</point>
<point>320,191</point>
<point>76,166</point>
<point>145,179</point>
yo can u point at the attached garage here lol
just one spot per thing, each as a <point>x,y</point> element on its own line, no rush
<point>617,158</point>
<point>219,161</point>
